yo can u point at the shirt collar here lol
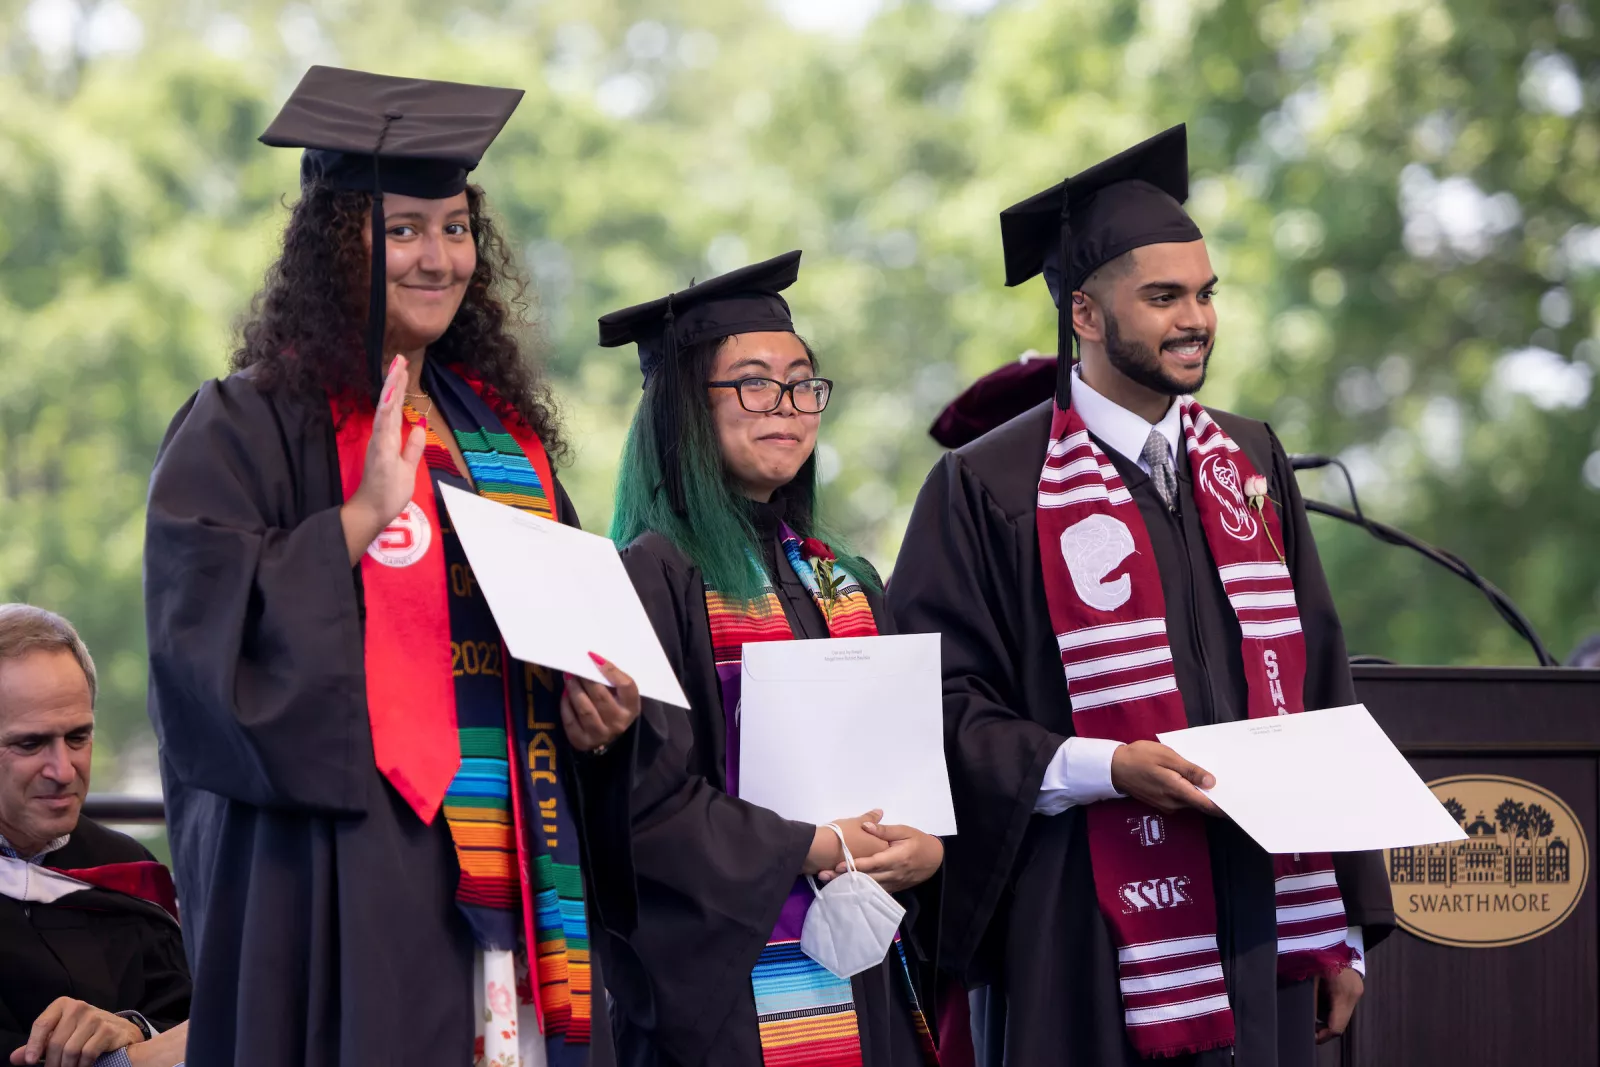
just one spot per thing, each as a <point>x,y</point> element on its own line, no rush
<point>6,849</point>
<point>1120,428</point>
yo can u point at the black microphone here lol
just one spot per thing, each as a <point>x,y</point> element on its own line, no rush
<point>1446,559</point>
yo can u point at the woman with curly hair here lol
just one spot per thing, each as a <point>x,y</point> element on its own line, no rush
<point>367,798</point>
<point>716,515</point>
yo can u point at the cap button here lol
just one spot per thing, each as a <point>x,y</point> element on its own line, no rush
<point>392,115</point>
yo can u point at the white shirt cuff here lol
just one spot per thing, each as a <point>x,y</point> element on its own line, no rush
<point>1079,773</point>
<point>1358,950</point>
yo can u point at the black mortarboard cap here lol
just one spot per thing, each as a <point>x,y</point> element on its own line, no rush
<point>742,301</point>
<point>1072,229</point>
<point>378,134</point>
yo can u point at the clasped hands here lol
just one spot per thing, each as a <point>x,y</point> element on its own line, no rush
<point>896,857</point>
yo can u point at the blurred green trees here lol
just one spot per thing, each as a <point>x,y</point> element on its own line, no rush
<point>1401,198</point>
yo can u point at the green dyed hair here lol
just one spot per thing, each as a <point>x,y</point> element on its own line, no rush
<point>673,481</point>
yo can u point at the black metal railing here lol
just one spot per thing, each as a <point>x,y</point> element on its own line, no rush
<point>124,808</point>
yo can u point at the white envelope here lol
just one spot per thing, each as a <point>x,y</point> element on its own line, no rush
<point>1319,781</point>
<point>558,594</point>
<point>833,728</point>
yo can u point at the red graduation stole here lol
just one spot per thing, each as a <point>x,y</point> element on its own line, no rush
<point>1152,870</point>
<point>411,699</point>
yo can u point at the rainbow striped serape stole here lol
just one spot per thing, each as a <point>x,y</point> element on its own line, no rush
<point>565,979</point>
<point>478,805</point>
<point>501,472</point>
<point>477,808</point>
<point>805,1013</point>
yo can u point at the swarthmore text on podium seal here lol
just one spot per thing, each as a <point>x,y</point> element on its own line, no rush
<point>1518,875</point>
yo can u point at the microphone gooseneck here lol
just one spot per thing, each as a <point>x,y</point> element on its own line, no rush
<point>1443,557</point>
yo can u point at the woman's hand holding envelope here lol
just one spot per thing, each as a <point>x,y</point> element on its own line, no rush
<point>595,715</point>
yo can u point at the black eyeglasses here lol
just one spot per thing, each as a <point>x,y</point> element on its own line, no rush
<point>761,395</point>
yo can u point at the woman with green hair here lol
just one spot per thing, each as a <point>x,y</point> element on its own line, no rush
<point>716,516</point>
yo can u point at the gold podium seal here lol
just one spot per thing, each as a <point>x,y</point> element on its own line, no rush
<point>1517,876</point>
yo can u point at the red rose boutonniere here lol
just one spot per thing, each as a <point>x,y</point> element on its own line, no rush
<point>814,549</point>
<point>821,558</point>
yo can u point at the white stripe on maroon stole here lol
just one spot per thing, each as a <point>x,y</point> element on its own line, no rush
<point>1086,465</point>
<point>1297,883</point>
<point>1208,436</point>
<point>1097,491</point>
<point>1172,979</point>
<point>1234,572</point>
<point>1134,660</point>
<point>1310,912</point>
<point>1066,444</point>
<point>1098,635</point>
<point>1075,458</point>
<point>1165,981</point>
<point>1162,950</point>
<point>1241,601</point>
<point>1167,1013</point>
<point>1091,668</point>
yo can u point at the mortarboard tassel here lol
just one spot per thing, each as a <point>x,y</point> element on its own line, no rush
<point>1064,332</point>
<point>377,292</point>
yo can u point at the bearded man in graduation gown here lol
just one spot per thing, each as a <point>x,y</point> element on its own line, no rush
<point>1112,563</point>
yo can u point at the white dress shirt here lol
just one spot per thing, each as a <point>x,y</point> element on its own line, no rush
<point>1080,771</point>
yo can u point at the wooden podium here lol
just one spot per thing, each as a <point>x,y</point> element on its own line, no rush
<point>1502,965</point>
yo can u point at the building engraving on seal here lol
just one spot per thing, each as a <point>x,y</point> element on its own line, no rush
<point>1518,874</point>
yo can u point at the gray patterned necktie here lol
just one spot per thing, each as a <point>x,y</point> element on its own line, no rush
<point>1159,457</point>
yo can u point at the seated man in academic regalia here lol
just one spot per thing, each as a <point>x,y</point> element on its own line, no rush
<point>1116,562</point>
<point>91,960</point>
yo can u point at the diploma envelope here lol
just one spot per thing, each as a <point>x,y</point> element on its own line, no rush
<point>833,728</point>
<point>1317,781</point>
<point>558,594</point>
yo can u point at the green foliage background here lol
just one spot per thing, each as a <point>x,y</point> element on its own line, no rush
<point>1400,197</point>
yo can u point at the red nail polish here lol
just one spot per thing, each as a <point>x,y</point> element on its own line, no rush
<point>424,420</point>
<point>598,661</point>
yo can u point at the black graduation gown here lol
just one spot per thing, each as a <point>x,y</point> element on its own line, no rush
<point>108,949</point>
<point>1020,910</point>
<point>320,911</point>
<point>713,871</point>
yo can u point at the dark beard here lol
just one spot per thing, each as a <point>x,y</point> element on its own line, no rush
<point>1139,363</point>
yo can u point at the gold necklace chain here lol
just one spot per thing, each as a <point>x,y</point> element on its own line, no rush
<point>423,396</point>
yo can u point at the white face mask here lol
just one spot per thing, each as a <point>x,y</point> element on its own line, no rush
<point>852,923</point>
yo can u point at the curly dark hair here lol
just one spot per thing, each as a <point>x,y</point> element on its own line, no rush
<point>306,327</point>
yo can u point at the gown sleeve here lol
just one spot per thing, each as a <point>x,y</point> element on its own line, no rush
<point>257,679</point>
<point>712,871</point>
<point>167,987</point>
<point>1363,880</point>
<point>956,566</point>
<point>602,803</point>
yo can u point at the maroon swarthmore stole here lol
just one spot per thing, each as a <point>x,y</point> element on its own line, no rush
<point>1152,871</point>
